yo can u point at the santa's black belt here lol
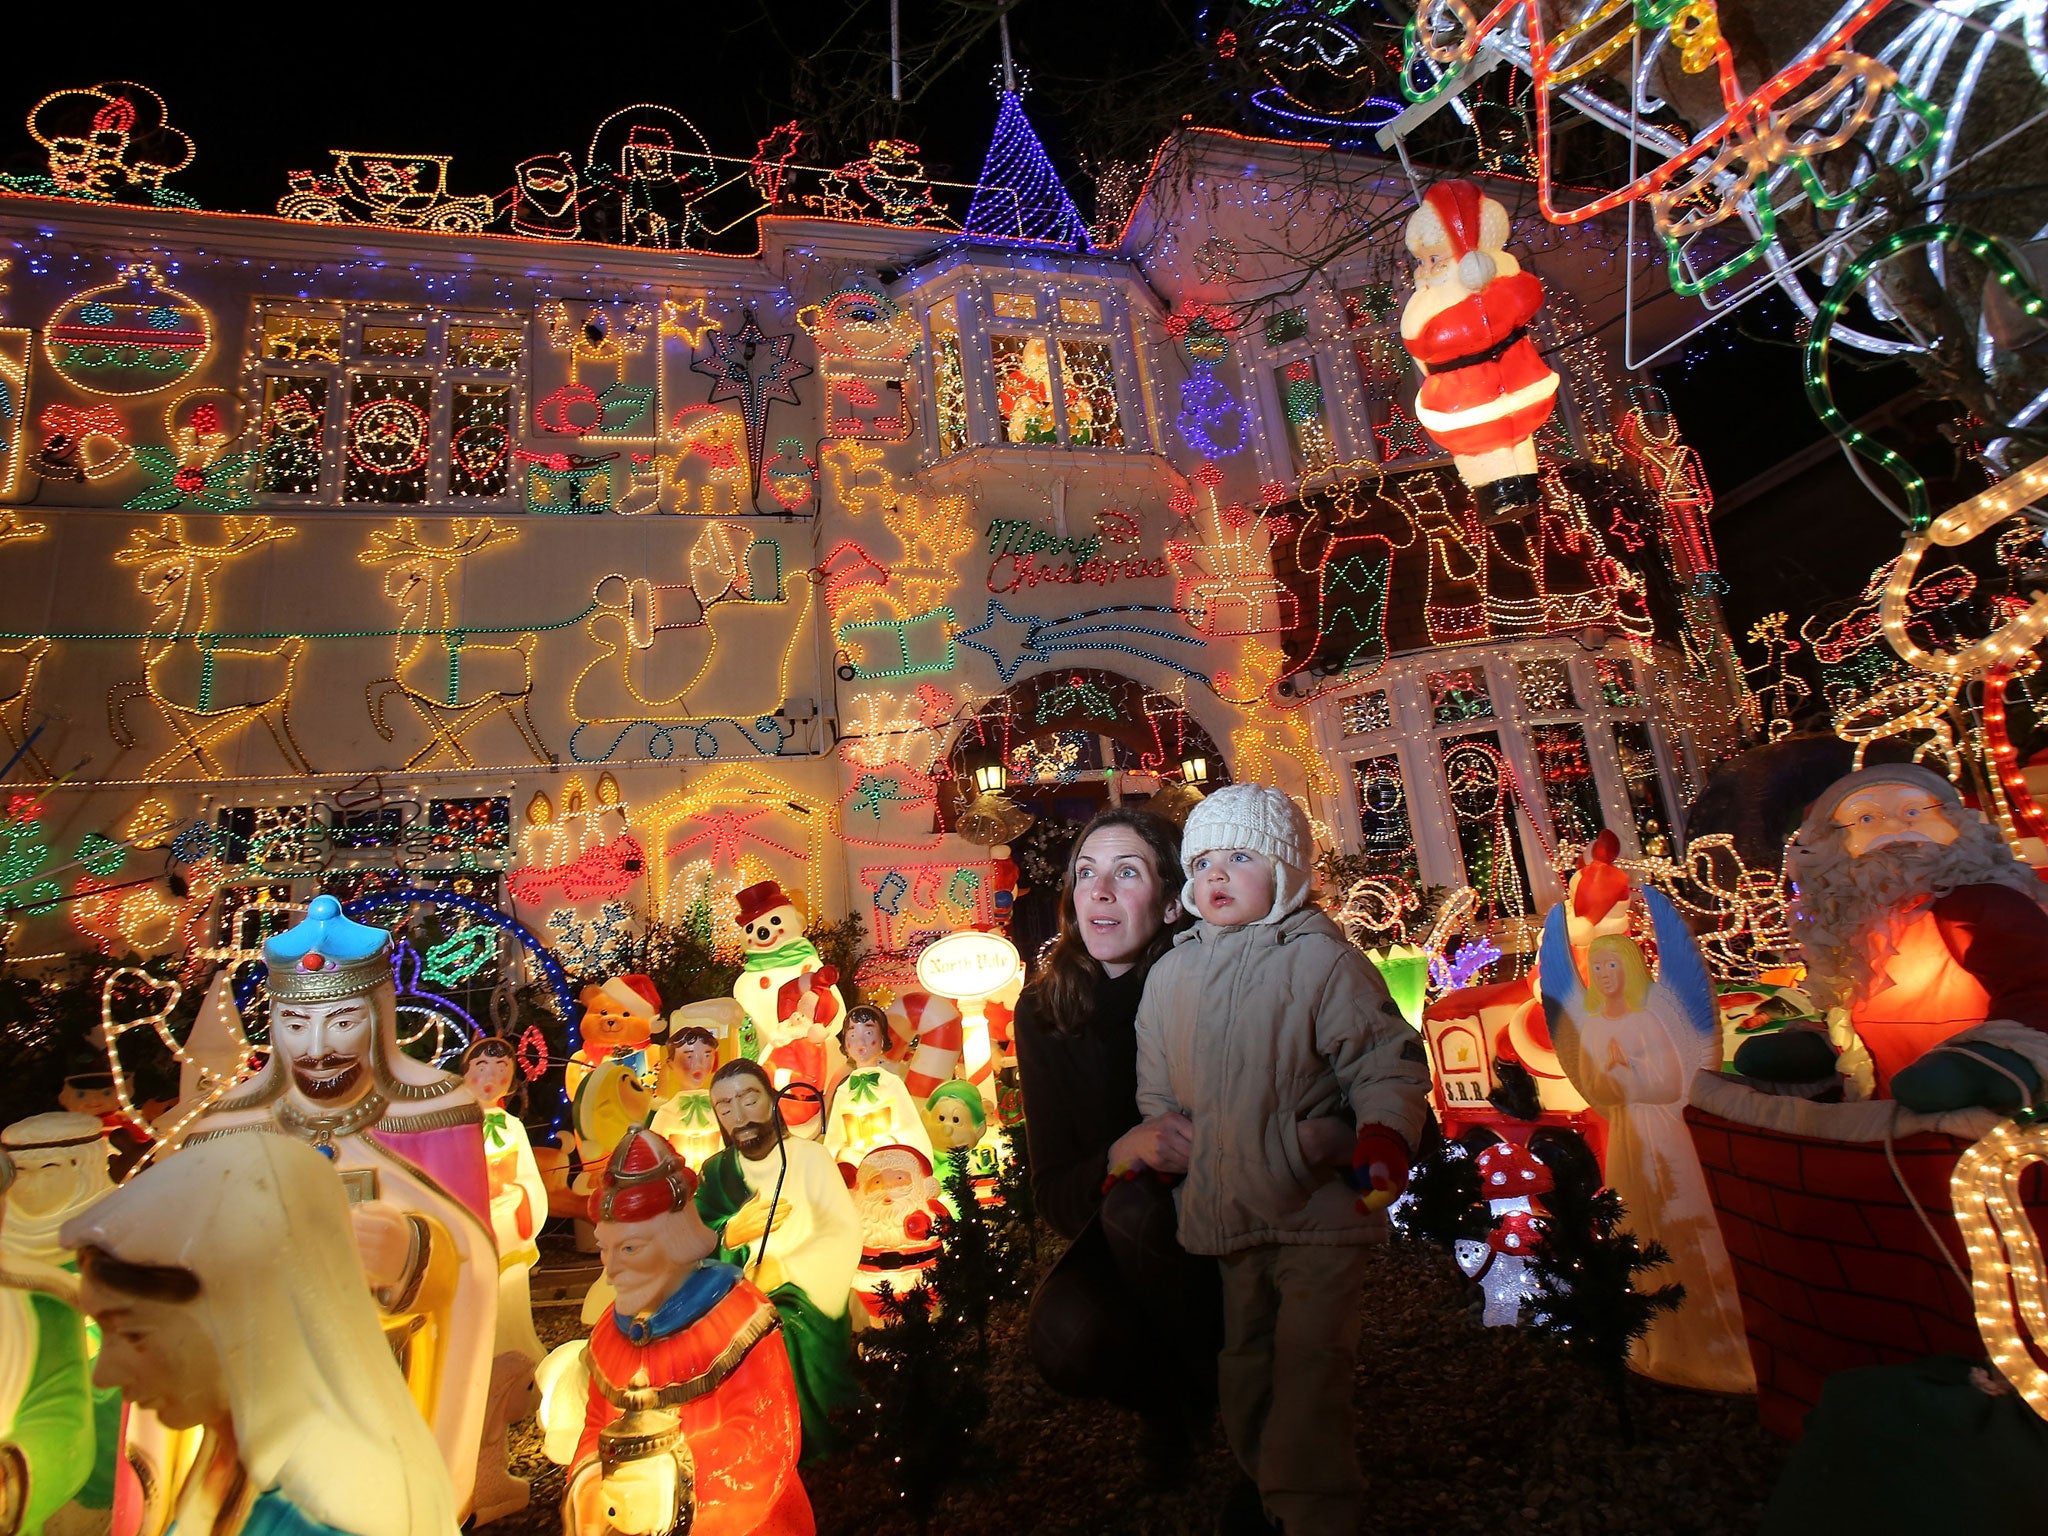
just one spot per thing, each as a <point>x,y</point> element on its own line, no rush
<point>897,1260</point>
<point>1492,354</point>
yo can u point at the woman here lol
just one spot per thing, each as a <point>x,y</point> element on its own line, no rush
<point>1126,1314</point>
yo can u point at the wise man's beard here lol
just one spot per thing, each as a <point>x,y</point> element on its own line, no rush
<point>328,1078</point>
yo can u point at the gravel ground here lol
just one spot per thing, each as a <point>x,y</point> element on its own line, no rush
<point>1463,1429</point>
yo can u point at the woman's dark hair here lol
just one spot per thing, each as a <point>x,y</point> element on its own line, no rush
<point>1066,989</point>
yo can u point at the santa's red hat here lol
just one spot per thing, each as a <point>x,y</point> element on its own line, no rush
<point>633,996</point>
<point>642,1179</point>
<point>1472,223</point>
<point>757,899</point>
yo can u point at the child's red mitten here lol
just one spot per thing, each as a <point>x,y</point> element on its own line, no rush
<point>1379,1167</point>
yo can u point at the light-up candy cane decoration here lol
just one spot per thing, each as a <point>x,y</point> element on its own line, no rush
<point>2008,1282</point>
<point>216,1017</point>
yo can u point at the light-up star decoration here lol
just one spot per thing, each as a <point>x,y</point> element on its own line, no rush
<point>732,368</point>
<point>1401,435</point>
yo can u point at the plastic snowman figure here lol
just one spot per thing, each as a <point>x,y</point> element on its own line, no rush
<point>787,993</point>
<point>1487,388</point>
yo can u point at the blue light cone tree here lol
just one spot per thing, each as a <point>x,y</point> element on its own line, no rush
<point>1020,196</point>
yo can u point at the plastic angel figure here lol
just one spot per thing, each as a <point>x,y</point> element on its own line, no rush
<point>1631,1046</point>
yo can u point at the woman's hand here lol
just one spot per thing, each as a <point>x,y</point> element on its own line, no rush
<point>1325,1142</point>
<point>1162,1144</point>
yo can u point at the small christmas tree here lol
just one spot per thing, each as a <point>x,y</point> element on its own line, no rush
<point>982,1259</point>
<point>1587,1300</point>
<point>921,1403</point>
<point>1444,1202</point>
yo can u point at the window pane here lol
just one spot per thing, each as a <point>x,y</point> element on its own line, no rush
<point>293,412</point>
<point>1568,787</point>
<point>1364,713</point>
<point>1016,306</point>
<point>1477,783</point>
<point>1089,371</point>
<point>1459,696</point>
<point>1645,787</point>
<point>479,452</point>
<point>1547,685</point>
<point>1308,427</point>
<point>1023,389</point>
<point>949,390</point>
<point>1080,311</point>
<point>1388,379</point>
<point>394,341</point>
<point>1386,836</point>
<point>1288,325</point>
<point>1617,683</point>
<point>492,348</point>
<point>387,438</point>
<point>302,338</point>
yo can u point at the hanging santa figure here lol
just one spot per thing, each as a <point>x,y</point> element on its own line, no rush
<point>787,992</point>
<point>1487,389</point>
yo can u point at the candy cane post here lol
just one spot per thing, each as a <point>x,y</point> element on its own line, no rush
<point>933,1024</point>
<point>973,969</point>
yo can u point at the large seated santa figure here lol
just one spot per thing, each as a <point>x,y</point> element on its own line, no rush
<point>1930,939</point>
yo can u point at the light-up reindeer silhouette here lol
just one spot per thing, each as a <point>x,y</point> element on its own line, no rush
<point>184,657</point>
<point>20,661</point>
<point>451,683</point>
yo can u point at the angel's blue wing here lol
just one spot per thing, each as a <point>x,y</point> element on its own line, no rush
<point>1559,975</point>
<point>1680,970</point>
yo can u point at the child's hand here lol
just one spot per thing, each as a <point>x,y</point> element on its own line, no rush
<point>1325,1142</point>
<point>1379,1167</point>
<point>1163,1143</point>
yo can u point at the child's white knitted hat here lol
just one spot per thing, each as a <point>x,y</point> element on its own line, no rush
<point>1261,819</point>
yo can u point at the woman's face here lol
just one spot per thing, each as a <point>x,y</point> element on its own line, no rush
<point>160,1356</point>
<point>1120,902</point>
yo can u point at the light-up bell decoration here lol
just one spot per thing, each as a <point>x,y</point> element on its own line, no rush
<point>991,817</point>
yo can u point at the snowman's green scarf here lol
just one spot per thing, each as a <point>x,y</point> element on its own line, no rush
<point>795,952</point>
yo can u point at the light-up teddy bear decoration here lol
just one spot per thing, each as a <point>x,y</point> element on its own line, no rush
<point>788,994</point>
<point>1488,389</point>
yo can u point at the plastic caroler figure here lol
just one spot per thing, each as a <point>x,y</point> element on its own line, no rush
<point>1487,389</point>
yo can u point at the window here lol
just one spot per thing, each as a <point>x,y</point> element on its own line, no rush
<point>1387,376</point>
<point>1300,389</point>
<point>1386,835</point>
<point>949,380</point>
<point>1078,407</point>
<point>1569,791</point>
<point>1478,786</point>
<point>382,406</point>
<point>1364,713</point>
<point>1645,787</point>
<point>1455,697</point>
<point>1546,685</point>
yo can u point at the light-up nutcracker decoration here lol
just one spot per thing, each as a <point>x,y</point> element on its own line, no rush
<point>1486,390</point>
<point>789,995</point>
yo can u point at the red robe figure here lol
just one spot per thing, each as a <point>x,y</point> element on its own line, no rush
<point>1487,389</point>
<point>691,1420</point>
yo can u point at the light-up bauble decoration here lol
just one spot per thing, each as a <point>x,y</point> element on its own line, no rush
<point>133,336</point>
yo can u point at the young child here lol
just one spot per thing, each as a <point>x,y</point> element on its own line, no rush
<point>1276,1038</point>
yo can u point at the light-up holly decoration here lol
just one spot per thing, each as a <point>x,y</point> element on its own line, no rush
<point>1487,388</point>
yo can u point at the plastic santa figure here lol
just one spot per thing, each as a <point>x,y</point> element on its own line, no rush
<point>1916,918</point>
<point>900,1211</point>
<point>407,1143</point>
<point>691,1420</point>
<point>870,1106</point>
<point>1487,389</point>
<point>788,993</point>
